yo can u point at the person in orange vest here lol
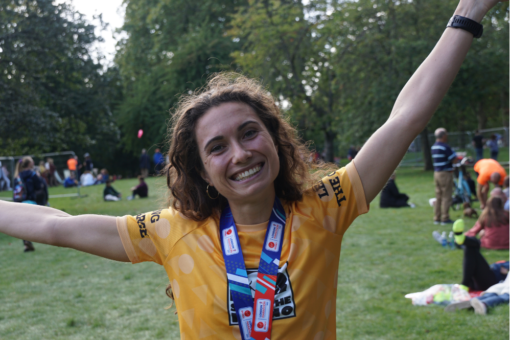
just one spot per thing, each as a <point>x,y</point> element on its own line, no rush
<point>72,162</point>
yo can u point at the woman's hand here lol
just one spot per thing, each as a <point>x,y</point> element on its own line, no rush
<point>481,233</point>
<point>475,9</point>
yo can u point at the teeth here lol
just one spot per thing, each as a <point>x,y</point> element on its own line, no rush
<point>247,173</point>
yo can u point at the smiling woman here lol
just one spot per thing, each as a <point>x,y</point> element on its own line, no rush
<point>235,119</point>
<point>251,249</point>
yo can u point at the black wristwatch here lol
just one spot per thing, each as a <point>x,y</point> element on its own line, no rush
<point>466,24</point>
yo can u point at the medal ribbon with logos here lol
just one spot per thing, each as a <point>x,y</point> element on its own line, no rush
<point>255,316</point>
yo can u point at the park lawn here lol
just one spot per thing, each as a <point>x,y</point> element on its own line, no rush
<point>56,293</point>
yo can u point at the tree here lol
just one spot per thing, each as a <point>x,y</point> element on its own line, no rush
<point>53,95</point>
<point>406,32</point>
<point>338,66</point>
<point>288,44</point>
<point>172,46</point>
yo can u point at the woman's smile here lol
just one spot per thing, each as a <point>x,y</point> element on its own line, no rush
<point>245,175</point>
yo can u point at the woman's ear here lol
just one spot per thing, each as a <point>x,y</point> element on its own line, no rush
<point>205,177</point>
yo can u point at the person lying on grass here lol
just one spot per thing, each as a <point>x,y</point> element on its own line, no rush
<point>478,275</point>
<point>247,240</point>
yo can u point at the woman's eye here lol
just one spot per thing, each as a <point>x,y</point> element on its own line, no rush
<point>216,148</point>
<point>250,133</point>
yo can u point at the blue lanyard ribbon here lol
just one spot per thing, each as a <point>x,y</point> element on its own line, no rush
<point>256,325</point>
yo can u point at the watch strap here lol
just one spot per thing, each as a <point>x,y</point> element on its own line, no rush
<point>467,24</point>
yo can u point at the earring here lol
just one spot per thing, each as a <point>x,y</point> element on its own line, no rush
<point>207,192</point>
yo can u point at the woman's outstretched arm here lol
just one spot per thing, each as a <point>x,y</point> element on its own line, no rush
<point>94,234</point>
<point>417,101</point>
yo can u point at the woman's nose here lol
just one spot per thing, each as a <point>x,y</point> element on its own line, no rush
<point>241,155</point>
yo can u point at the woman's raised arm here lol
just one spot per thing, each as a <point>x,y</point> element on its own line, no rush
<point>417,102</point>
<point>94,234</point>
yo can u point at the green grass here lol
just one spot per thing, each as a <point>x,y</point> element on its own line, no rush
<point>57,293</point>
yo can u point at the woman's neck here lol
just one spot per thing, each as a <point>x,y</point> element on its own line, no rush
<point>252,212</point>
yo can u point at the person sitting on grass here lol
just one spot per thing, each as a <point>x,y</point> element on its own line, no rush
<point>141,189</point>
<point>110,194</point>
<point>392,198</point>
<point>478,275</point>
<point>87,179</point>
<point>241,197</point>
<point>498,192</point>
<point>105,177</point>
<point>70,181</point>
<point>492,225</point>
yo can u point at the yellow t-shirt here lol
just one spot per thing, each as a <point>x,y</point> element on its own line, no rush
<point>305,300</point>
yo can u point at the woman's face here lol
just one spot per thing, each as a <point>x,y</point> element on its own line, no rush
<point>238,153</point>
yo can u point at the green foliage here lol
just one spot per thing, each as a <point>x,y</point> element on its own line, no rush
<point>171,49</point>
<point>479,95</point>
<point>341,64</point>
<point>285,45</point>
<point>53,94</point>
<point>335,66</point>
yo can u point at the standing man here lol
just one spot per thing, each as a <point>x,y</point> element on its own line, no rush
<point>159,161</point>
<point>489,171</point>
<point>88,162</point>
<point>443,157</point>
<point>145,163</point>
<point>72,162</point>
<point>478,144</point>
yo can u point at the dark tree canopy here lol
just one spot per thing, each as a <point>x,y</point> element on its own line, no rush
<point>53,94</point>
<point>336,67</point>
<point>172,47</point>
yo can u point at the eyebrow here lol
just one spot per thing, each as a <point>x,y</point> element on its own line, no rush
<point>239,128</point>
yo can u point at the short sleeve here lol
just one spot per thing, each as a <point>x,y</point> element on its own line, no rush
<point>451,154</point>
<point>151,236</point>
<point>336,200</point>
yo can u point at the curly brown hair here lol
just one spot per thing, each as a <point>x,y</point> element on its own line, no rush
<point>188,188</point>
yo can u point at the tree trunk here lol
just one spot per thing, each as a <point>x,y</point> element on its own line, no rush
<point>480,115</point>
<point>329,152</point>
<point>427,157</point>
<point>504,110</point>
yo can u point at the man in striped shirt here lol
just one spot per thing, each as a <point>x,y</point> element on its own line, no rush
<point>443,157</point>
